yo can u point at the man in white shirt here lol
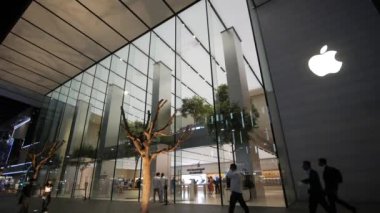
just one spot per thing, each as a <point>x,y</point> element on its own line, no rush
<point>235,187</point>
<point>46,197</point>
<point>157,187</point>
<point>164,188</point>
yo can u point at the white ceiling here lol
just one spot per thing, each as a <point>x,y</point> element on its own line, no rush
<point>55,40</point>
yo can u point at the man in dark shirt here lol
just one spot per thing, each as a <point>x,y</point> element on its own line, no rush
<point>316,195</point>
<point>24,199</point>
<point>332,177</point>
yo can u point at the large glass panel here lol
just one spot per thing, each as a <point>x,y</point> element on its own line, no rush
<point>72,132</point>
<point>83,154</point>
<point>221,98</point>
<point>166,32</point>
<point>102,183</point>
<point>242,119</point>
<point>127,181</point>
<point>161,51</point>
<point>196,163</point>
<point>88,152</point>
<point>235,14</point>
<point>127,176</point>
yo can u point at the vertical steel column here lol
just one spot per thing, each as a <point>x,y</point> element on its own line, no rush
<point>175,106</point>
<point>270,98</point>
<point>214,100</point>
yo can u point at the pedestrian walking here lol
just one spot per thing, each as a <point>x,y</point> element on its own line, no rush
<point>24,199</point>
<point>332,177</point>
<point>235,187</point>
<point>46,196</point>
<point>316,194</point>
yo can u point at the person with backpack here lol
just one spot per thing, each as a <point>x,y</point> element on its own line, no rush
<point>316,195</point>
<point>332,177</point>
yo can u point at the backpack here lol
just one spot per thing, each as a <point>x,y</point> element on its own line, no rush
<point>338,175</point>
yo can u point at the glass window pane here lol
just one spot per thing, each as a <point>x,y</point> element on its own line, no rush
<point>119,66</point>
<point>102,73</point>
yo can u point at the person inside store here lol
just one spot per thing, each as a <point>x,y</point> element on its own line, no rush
<point>46,196</point>
<point>210,185</point>
<point>217,184</point>
<point>157,187</point>
<point>138,183</point>
<point>332,177</point>
<point>236,189</point>
<point>172,185</point>
<point>164,188</point>
<point>316,194</point>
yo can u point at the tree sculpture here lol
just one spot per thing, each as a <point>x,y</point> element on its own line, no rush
<point>39,159</point>
<point>143,142</point>
<point>197,107</point>
<point>232,118</point>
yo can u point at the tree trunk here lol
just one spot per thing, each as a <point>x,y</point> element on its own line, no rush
<point>147,182</point>
<point>134,173</point>
<point>36,172</point>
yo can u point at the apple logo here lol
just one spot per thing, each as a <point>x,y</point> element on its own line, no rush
<point>324,63</point>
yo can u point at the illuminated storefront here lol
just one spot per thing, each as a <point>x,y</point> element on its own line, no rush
<point>204,53</point>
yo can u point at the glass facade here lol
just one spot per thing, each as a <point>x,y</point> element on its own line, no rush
<point>214,84</point>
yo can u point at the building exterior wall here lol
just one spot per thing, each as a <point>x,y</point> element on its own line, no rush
<point>335,116</point>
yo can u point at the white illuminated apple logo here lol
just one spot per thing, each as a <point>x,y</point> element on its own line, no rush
<point>324,63</point>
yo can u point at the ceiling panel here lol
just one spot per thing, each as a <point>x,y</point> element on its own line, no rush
<point>27,63</point>
<point>55,40</point>
<point>151,12</point>
<point>117,16</point>
<point>22,82</point>
<point>63,31</point>
<point>21,94</point>
<point>21,72</point>
<point>45,41</point>
<point>179,5</point>
<point>86,22</point>
<point>20,45</point>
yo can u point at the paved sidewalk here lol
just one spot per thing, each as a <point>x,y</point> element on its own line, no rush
<point>8,204</point>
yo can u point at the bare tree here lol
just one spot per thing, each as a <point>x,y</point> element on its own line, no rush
<point>39,159</point>
<point>143,142</point>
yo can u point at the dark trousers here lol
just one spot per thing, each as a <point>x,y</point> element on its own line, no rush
<point>315,199</point>
<point>216,188</point>
<point>332,197</point>
<point>154,194</point>
<point>166,195</point>
<point>45,202</point>
<point>237,197</point>
<point>24,208</point>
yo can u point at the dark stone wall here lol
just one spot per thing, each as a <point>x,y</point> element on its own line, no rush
<point>336,116</point>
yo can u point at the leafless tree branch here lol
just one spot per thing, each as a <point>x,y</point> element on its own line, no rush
<point>170,121</point>
<point>135,140</point>
<point>160,104</point>
<point>48,151</point>
<point>183,136</point>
